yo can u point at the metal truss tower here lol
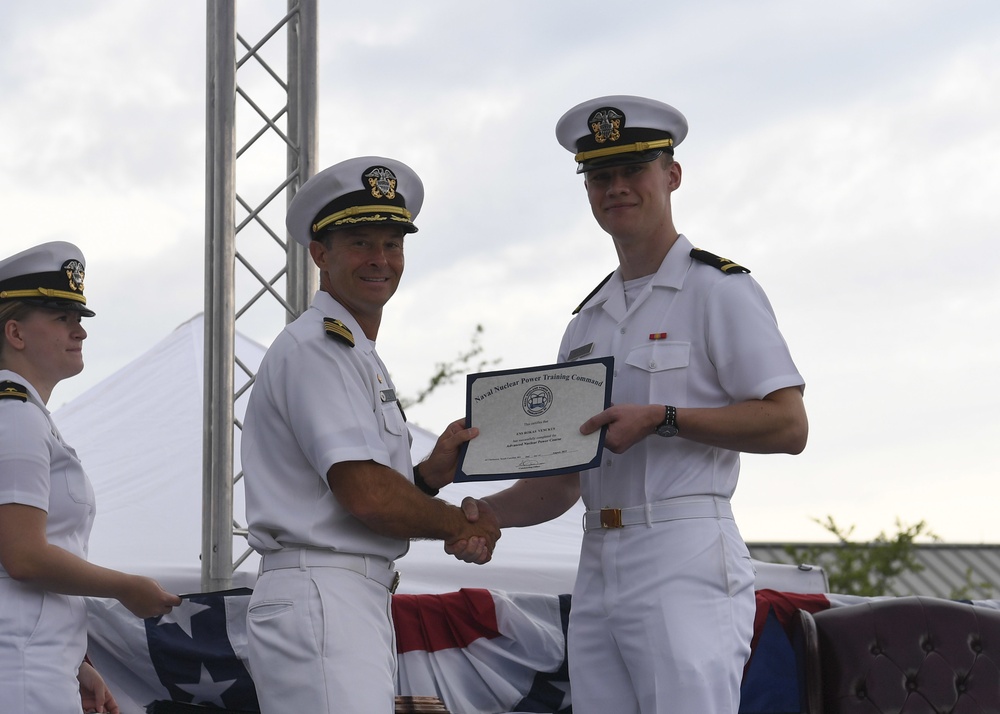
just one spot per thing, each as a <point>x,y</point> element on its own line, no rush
<point>261,144</point>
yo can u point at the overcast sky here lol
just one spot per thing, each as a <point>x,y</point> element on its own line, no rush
<point>847,153</point>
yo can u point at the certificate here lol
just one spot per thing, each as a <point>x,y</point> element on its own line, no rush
<point>529,420</point>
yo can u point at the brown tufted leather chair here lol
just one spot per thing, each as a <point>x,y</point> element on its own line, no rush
<point>905,655</point>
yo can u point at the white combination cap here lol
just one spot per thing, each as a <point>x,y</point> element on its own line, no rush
<point>48,275</point>
<point>361,191</point>
<point>619,130</point>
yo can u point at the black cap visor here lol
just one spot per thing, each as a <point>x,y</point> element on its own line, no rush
<point>624,159</point>
<point>55,304</point>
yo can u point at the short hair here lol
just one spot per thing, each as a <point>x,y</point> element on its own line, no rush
<point>13,310</point>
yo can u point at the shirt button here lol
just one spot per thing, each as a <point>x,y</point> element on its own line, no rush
<point>623,330</point>
<point>652,365</point>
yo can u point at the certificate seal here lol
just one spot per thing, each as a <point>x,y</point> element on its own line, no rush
<point>537,400</point>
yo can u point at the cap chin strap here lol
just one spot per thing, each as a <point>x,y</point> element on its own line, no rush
<point>357,210</point>
<point>42,292</point>
<point>625,149</point>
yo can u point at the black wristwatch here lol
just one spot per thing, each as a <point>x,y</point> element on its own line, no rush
<point>669,425</point>
<point>418,481</point>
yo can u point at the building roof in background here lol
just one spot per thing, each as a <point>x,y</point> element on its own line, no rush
<point>955,571</point>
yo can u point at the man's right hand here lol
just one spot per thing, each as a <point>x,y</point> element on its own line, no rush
<point>475,548</point>
<point>476,543</point>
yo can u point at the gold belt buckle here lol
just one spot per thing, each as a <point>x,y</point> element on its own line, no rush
<point>611,518</point>
<point>395,583</point>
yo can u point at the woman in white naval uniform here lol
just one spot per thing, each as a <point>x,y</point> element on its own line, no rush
<point>46,501</point>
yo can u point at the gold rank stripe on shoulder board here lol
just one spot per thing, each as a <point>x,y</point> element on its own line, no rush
<point>13,390</point>
<point>338,331</point>
<point>724,264</point>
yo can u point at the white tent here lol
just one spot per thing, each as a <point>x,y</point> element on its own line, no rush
<point>139,435</point>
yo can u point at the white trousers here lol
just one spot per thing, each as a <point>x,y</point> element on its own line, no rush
<point>321,640</point>
<point>662,618</point>
<point>43,638</point>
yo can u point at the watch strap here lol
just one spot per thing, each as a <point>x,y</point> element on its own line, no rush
<point>418,481</point>
<point>668,427</point>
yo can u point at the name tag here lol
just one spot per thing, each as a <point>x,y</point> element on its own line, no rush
<point>579,352</point>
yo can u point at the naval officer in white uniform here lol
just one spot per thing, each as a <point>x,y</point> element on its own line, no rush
<point>663,604</point>
<point>46,501</point>
<point>332,496</point>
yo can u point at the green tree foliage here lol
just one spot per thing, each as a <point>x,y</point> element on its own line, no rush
<point>446,372</point>
<point>865,568</point>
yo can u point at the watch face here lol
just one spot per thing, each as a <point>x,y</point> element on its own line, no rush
<point>666,430</point>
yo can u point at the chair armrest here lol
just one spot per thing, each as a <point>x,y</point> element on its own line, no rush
<point>813,671</point>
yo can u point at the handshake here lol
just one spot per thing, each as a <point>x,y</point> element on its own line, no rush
<point>474,531</point>
<point>477,537</point>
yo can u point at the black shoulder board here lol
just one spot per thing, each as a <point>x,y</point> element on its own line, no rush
<point>13,390</point>
<point>724,264</point>
<point>593,292</point>
<point>338,331</point>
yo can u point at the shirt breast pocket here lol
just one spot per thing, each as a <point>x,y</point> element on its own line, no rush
<point>77,485</point>
<point>663,367</point>
<point>66,469</point>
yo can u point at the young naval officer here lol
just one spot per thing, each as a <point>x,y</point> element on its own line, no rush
<point>331,500</point>
<point>47,503</point>
<point>663,604</point>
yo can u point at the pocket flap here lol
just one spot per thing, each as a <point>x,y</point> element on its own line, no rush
<point>659,356</point>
